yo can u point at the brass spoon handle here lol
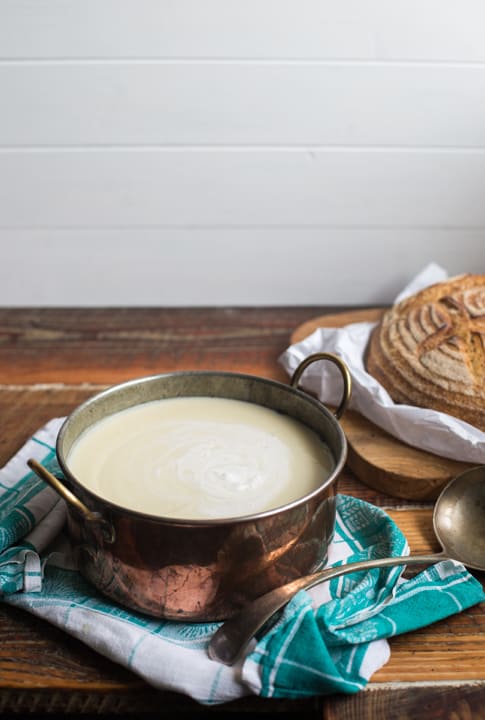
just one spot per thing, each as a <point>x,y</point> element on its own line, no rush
<point>231,639</point>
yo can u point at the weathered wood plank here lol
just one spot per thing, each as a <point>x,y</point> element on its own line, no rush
<point>405,702</point>
<point>50,361</point>
<point>108,346</point>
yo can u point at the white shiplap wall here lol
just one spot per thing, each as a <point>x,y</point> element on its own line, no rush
<point>174,152</point>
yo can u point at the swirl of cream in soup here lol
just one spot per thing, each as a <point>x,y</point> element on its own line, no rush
<point>200,458</point>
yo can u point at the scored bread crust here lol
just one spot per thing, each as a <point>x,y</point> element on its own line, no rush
<point>429,349</point>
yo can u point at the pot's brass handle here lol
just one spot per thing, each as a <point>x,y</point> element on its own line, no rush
<point>344,371</point>
<point>71,499</point>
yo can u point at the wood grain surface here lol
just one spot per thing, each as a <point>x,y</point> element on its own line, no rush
<point>50,361</point>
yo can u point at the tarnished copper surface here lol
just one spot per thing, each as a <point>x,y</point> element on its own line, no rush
<point>203,573</point>
<point>200,570</point>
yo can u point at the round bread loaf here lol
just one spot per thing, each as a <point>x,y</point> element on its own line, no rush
<point>429,349</point>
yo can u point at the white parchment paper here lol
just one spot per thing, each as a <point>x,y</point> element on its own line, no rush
<point>427,430</point>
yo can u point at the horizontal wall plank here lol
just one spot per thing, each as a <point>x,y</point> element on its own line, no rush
<point>437,30</point>
<point>241,104</point>
<point>218,152</point>
<point>215,187</point>
<point>259,266</point>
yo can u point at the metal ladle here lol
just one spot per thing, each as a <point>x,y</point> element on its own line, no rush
<point>459,525</point>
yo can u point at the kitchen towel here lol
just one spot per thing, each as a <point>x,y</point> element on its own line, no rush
<point>329,639</point>
<point>426,429</point>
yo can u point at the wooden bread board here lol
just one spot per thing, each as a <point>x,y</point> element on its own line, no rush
<point>378,459</point>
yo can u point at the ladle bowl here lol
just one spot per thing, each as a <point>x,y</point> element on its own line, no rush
<point>459,525</point>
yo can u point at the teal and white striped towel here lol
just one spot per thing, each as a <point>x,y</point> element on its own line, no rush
<point>329,639</point>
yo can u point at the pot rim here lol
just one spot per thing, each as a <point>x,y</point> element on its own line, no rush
<point>201,522</point>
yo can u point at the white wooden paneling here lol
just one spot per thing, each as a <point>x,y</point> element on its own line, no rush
<point>414,30</point>
<point>242,104</point>
<point>210,187</point>
<point>227,152</point>
<point>257,266</point>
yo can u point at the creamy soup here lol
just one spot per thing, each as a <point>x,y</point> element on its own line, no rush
<point>200,457</point>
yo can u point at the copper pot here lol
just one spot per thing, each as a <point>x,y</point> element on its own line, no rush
<point>200,570</point>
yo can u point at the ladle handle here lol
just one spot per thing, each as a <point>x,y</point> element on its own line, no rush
<point>231,639</point>
<point>344,371</point>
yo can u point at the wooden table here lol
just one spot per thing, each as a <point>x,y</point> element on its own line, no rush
<point>50,361</point>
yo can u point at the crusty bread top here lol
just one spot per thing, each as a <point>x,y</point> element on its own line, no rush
<point>429,349</point>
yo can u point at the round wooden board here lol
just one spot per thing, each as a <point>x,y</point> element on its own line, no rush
<point>378,459</point>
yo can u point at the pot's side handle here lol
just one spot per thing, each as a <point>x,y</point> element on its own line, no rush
<point>344,371</point>
<point>72,500</point>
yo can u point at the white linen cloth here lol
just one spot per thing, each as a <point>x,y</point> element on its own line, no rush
<point>428,430</point>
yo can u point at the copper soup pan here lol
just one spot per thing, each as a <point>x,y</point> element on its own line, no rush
<point>200,570</point>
